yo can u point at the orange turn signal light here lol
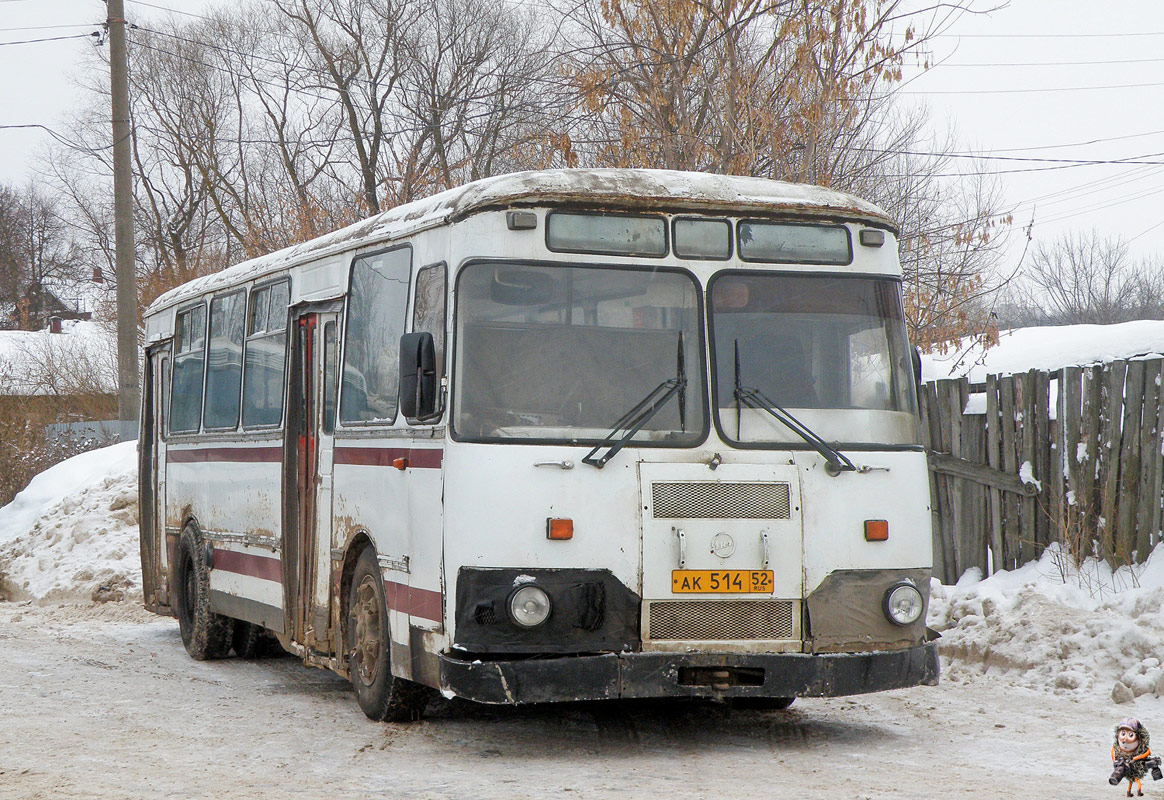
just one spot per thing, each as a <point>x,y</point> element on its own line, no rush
<point>559,528</point>
<point>400,463</point>
<point>876,530</point>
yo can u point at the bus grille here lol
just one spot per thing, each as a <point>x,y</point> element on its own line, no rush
<point>706,500</point>
<point>739,619</point>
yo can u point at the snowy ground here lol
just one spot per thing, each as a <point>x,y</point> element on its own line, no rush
<point>98,698</point>
<point>102,702</point>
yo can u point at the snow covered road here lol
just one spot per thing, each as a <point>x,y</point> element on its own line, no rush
<point>101,701</point>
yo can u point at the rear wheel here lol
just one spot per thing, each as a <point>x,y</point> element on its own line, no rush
<point>204,633</point>
<point>381,695</point>
<point>247,639</point>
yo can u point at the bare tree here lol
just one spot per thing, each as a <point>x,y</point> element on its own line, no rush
<point>1090,278</point>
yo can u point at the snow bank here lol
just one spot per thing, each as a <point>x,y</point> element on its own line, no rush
<point>1047,626</point>
<point>73,531</point>
<point>1048,348</point>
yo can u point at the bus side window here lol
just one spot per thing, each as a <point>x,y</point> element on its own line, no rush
<point>377,304</point>
<point>163,422</point>
<point>265,363</point>
<point>428,313</point>
<point>186,391</point>
<point>329,383</point>
<point>224,361</point>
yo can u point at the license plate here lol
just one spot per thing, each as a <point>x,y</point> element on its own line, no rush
<point>721,581</point>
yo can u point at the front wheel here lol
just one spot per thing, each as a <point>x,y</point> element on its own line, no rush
<point>381,695</point>
<point>205,634</point>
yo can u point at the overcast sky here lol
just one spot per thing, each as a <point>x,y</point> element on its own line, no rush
<point>1041,79</point>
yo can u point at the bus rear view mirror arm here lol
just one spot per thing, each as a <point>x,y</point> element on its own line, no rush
<point>419,382</point>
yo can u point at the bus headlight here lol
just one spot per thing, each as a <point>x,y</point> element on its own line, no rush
<point>529,606</point>
<point>903,604</point>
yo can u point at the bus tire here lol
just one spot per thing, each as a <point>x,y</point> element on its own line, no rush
<point>246,639</point>
<point>205,634</point>
<point>762,703</point>
<point>382,696</point>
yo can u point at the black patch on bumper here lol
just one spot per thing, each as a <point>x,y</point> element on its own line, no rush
<point>640,675</point>
<point>591,611</point>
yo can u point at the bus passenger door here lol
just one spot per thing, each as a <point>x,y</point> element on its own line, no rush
<point>152,478</point>
<point>307,550</point>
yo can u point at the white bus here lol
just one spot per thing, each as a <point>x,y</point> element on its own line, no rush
<point>559,435</point>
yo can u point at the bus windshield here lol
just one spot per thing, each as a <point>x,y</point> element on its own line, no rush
<point>562,353</point>
<point>832,349</point>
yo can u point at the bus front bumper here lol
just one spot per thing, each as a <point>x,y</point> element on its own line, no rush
<point>611,676</point>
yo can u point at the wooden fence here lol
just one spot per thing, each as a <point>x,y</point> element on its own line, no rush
<point>1071,456</point>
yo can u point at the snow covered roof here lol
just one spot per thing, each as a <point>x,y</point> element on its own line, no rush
<point>83,296</point>
<point>601,188</point>
<point>78,360</point>
<point>1048,348</point>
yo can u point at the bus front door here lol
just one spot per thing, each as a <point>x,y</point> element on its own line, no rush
<point>152,479</point>
<point>307,550</point>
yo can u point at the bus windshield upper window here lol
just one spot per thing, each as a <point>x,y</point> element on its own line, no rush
<point>560,353</point>
<point>376,307</point>
<point>789,243</point>
<point>608,234</point>
<point>830,348</point>
<point>703,238</point>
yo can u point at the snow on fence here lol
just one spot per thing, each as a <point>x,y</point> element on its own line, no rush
<point>1024,460</point>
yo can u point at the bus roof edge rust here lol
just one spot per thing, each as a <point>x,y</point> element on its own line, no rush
<point>614,189</point>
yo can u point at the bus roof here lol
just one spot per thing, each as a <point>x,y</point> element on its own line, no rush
<point>621,189</point>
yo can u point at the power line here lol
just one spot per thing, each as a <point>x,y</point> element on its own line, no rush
<point>1050,35</point>
<point>1058,63</point>
<point>1039,91</point>
<point>1087,143</point>
<point>1146,230</point>
<point>166,8</point>
<point>94,34</point>
<point>1101,206</point>
<point>1141,160</point>
<point>62,139</point>
<point>47,27</point>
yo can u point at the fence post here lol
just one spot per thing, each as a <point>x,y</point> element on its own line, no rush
<point>1041,461</point>
<point>932,433</point>
<point>1010,540</point>
<point>994,460</point>
<point>1149,460</point>
<point>1110,467</point>
<point>1088,496</point>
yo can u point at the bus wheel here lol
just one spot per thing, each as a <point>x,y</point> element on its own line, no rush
<point>204,633</point>
<point>762,703</point>
<point>247,639</point>
<point>381,695</point>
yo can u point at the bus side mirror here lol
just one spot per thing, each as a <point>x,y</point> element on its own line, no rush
<point>419,389</point>
<point>917,370</point>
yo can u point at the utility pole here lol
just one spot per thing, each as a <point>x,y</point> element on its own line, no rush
<point>129,390</point>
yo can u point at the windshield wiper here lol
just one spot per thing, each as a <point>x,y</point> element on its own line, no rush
<point>634,420</point>
<point>836,462</point>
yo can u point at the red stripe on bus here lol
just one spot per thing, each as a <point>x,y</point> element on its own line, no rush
<point>268,569</point>
<point>418,458</point>
<point>412,601</point>
<point>247,455</point>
